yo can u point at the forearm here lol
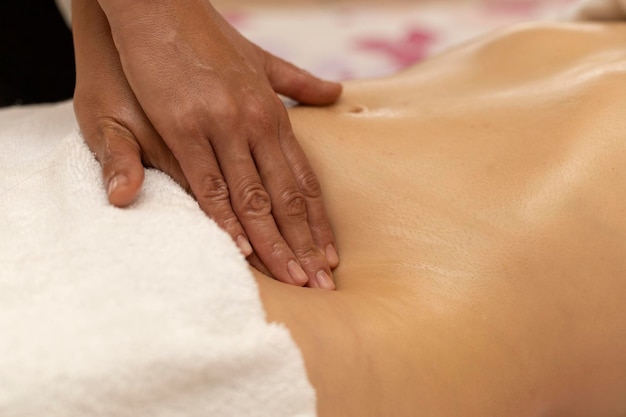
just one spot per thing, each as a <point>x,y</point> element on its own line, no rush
<point>601,10</point>
<point>125,12</point>
<point>93,45</point>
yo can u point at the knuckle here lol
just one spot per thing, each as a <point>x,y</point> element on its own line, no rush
<point>110,127</point>
<point>196,117</point>
<point>277,248</point>
<point>310,185</point>
<point>322,229</point>
<point>231,224</point>
<point>293,204</point>
<point>225,110</point>
<point>108,131</point>
<point>255,201</point>
<point>228,222</point>
<point>255,107</point>
<point>188,123</point>
<point>259,113</point>
<point>213,189</point>
<point>307,255</point>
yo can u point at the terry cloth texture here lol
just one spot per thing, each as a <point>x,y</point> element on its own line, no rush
<point>144,311</point>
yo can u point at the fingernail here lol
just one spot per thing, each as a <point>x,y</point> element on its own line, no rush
<point>297,273</point>
<point>115,182</point>
<point>331,255</point>
<point>244,246</point>
<point>324,281</point>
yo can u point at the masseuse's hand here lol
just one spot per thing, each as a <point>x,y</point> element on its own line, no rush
<point>111,120</point>
<point>209,93</point>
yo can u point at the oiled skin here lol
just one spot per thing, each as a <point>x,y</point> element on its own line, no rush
<point>479,204</point>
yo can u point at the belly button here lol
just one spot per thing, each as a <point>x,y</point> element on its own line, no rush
<point>357,109</point>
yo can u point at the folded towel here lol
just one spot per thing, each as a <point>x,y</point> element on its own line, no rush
<point>144,311</point>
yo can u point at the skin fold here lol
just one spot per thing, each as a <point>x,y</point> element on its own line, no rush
<point>478,201</point>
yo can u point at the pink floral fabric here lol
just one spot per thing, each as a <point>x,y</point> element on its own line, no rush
<point>342,42</point>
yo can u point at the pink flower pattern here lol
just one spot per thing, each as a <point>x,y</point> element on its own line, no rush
<point>359,40</point>
<point>412,47</point>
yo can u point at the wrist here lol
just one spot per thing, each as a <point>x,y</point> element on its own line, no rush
<point>125,12</point>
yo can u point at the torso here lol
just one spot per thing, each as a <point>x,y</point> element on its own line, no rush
<point>479,202</point>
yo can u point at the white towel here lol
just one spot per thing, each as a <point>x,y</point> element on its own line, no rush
<point>145,311</point>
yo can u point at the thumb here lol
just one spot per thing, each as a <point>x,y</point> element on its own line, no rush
<point>296,83</point>
<point>122,169</point>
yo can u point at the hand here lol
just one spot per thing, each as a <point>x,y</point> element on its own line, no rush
<point>111,120</point>
<point>210,94</point>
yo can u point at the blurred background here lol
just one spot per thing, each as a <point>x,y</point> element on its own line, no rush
<point>335,39</point>
<point>36,53</point>
<point>345,39</point>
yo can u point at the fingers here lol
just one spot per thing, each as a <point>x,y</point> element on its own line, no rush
<point>291,81</point>
<point>241,179</point>
<point>120,157</point>
<point>209,186</point>
<point>155,152</point>
<point>253,206</point>
<point>307,182</point>
<point>289,209</point>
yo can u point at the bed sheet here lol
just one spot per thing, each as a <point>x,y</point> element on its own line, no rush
<point>346,40</point>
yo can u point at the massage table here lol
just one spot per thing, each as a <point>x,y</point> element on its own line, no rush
<point>151,310</point>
